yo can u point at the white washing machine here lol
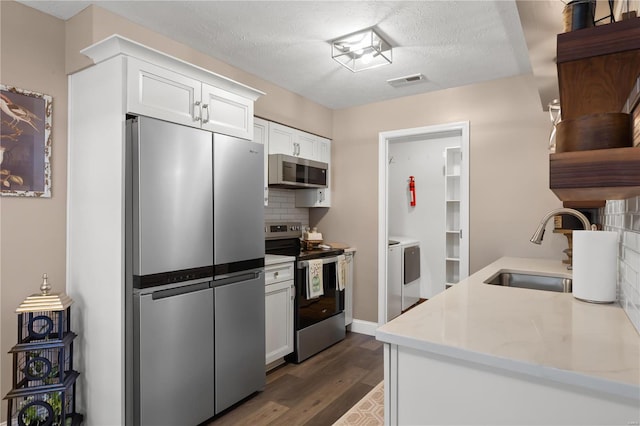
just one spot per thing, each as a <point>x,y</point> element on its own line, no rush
<point>409,270</point>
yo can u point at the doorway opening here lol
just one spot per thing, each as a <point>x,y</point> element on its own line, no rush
<point>436,215</point>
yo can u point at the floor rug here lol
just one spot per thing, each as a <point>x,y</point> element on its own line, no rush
<point>369,411</point>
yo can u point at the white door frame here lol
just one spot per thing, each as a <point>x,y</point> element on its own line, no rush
<point>458,128</point>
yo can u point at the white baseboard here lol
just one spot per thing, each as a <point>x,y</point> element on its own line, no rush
<point>3,424</point>
<point>364,327</point>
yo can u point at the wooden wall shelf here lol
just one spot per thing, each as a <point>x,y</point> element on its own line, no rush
<point>604,174</point>
<point>597,68</point>
<point>605,39</point>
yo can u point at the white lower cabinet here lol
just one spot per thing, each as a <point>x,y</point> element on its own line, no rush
<point>279,305</point>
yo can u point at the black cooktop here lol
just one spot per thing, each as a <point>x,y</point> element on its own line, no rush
<point>292,247</point>
<point>315,254</point>
<point>283,238</point>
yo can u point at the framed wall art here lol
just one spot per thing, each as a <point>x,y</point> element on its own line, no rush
<point>25,143</point>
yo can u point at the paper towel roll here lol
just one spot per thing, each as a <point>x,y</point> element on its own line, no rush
<point>595,266</point>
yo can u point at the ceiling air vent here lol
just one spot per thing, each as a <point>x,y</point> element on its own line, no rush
<point>407,80</point>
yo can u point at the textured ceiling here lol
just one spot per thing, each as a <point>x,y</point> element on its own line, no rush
<point>453,43</point>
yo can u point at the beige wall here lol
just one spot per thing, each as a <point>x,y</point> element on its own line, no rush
<point>508,178</point>
<point>32,230</point>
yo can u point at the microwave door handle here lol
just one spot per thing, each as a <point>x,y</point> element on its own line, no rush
<point>303,263</point>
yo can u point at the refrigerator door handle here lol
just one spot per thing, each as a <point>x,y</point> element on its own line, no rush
<point>231,279</point>
<point>162,294</point>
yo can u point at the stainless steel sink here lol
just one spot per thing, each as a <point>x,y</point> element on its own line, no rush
<point>532,281</point>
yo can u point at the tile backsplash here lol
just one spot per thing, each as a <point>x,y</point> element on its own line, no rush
<point>282,206</point>
<point>623,217</point>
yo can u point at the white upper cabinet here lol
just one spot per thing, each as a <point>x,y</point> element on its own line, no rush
<point>281,139</point>
<point>306,145</point>
<point>290,141</point>
<point>323,150</point>
<point>227,113</point>
<point>161,93</point>
<point>167,88</point>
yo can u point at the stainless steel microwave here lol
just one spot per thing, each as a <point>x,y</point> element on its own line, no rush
<point>286,171</point>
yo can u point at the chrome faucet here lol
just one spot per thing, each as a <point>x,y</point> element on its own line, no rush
<point>537,236</point>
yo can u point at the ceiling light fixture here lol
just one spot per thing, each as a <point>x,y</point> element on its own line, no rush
<point>361,50</point>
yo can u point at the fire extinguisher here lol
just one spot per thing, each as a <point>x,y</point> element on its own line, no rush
<point>412,190</point>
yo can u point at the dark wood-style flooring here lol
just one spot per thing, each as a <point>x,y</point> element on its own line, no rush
<point>316,392</point>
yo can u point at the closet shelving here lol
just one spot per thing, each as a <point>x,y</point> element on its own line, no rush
<point>453,162</point>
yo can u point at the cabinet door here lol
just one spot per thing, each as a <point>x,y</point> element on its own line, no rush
<point>278,320</point>
<point>323,150</point>
<point>160,93</point>
<point>316,197</point>
<point>227,113</point>
<point>261,135</point>
<point>281,139</point>
<point>306,145</point>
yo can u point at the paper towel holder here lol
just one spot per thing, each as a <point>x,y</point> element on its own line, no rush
<point>595,266</point>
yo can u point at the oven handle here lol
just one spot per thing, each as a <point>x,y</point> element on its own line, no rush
<point>303,263</point>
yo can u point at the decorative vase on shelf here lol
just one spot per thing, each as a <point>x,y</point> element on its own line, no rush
<point>555,117</point>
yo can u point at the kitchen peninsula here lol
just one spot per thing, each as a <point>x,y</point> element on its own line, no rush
<point>486,354</point>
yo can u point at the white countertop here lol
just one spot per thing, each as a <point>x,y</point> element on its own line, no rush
<point>540,333</point>
<point>273,259</point>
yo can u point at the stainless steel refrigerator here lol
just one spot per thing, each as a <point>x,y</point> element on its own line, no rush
<point>194,268</point>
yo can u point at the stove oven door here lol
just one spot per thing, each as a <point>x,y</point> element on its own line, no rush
<point>310,311</point>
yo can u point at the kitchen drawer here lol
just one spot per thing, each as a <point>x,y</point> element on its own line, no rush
<point>278,272</point>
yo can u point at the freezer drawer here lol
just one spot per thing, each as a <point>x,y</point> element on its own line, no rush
<point>174,385</point>
<point>239,337</point>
